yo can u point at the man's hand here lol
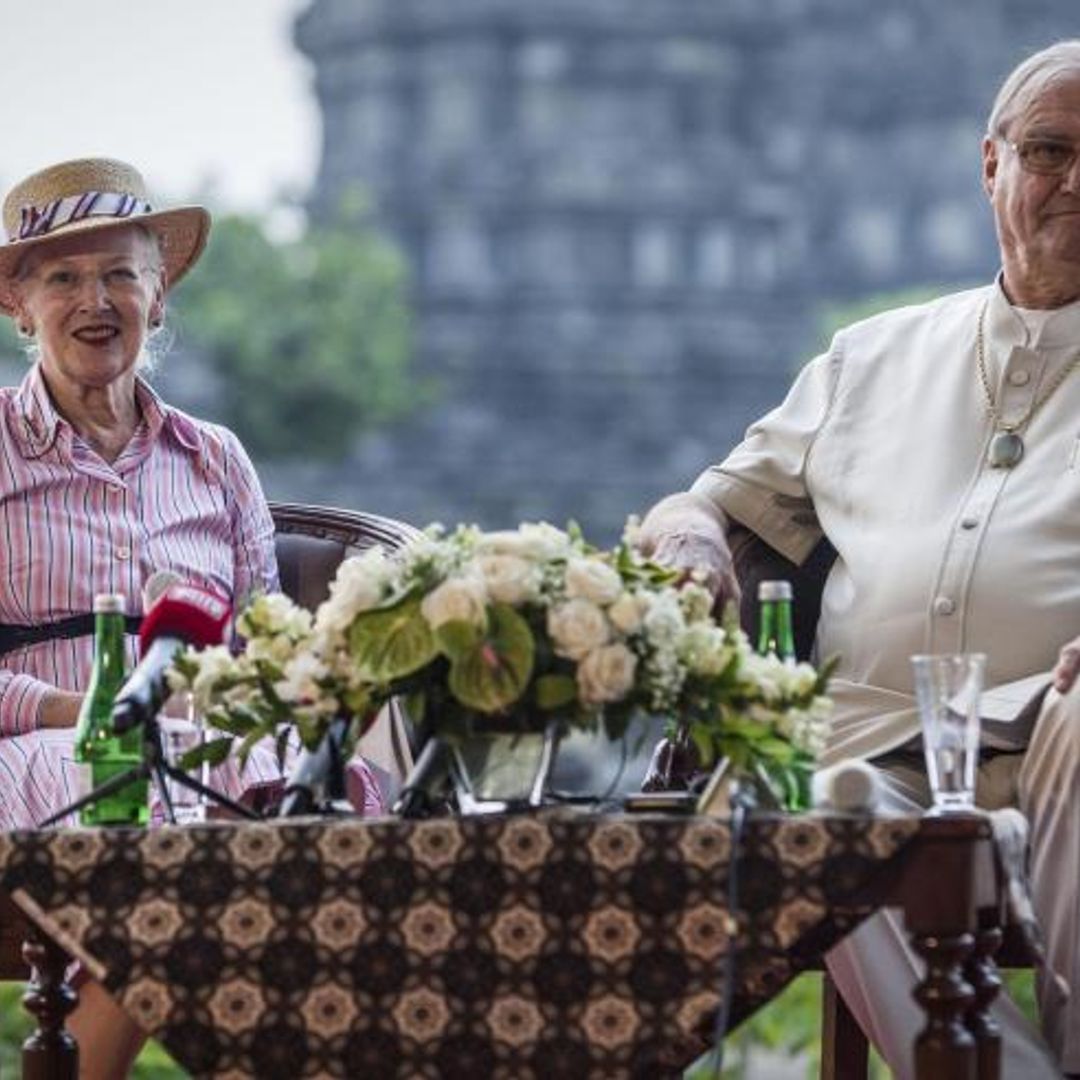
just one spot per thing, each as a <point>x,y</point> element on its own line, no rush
<point>686,532</point>
<point>1067,667</point>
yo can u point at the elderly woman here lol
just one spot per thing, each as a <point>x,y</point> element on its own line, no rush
<point>102,483</point>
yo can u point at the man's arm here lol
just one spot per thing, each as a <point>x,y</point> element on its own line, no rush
<point>687,531</point>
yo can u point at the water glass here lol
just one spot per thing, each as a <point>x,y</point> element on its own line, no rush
<point>948,687</point>
<point>181,732</point>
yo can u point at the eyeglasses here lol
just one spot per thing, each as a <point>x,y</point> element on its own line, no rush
<point>1047,157</point>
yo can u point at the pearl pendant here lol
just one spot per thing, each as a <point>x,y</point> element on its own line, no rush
<point>1006,449</point>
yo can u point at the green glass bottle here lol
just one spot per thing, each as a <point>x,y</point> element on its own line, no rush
<point>99,753</point>
<point>775,633</point>
<point>776,636</point>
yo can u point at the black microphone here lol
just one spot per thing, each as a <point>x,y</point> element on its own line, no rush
<point>318,777</point>
<point>182,615</point>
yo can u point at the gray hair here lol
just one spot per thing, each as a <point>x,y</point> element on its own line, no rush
<point>1028,79</point>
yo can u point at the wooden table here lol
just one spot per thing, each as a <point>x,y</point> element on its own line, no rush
<point>563,943</point>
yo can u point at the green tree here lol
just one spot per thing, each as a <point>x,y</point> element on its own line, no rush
<point>310,336</point>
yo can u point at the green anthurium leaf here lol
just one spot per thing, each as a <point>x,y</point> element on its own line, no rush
<point>555,691</point>
<point>391,643</point>
<point>495,672</point>
<point>457,637</point>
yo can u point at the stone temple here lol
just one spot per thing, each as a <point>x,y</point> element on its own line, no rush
<point>624,218</point>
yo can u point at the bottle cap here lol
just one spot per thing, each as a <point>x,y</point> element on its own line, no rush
<point>774,590</point>
<point>109,603</point>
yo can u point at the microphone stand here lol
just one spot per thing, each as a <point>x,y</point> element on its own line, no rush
<point>317,784</point>
<point>155,766</point>
<point>425,790</point>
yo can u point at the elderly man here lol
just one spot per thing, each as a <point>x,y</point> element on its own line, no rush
<point>938,448</point>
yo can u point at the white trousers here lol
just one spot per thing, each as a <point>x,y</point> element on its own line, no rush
<point>876,970</point>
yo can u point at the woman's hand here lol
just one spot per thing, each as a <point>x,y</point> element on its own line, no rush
<point>59,709</point>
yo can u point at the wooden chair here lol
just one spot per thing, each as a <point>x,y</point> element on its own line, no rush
<point>845,1050</point>
<point>310,541</point>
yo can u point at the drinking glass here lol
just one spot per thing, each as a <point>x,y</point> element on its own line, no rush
<point>948,687</point>
<point>182,730</point>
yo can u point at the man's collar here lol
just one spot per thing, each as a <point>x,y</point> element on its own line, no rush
<point>1006,327</point>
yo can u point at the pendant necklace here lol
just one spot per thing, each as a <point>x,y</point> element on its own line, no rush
<point>1006,446</point>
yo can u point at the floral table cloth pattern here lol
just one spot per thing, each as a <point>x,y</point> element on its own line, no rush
<point>563,944</point>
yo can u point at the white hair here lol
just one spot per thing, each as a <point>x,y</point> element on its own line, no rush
<point>1029,79</point>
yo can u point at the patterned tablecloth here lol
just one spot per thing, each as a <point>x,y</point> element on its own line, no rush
<point>563,944</point>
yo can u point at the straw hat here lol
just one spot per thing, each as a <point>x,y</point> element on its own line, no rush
<point>90,194</point>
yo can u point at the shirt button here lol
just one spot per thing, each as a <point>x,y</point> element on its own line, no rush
<point>1019,378</point>
<point>968,522</point>
<point>123,553</point>
<point>943,606</point>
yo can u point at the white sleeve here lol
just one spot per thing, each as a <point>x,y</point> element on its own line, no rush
<point>762,482</point>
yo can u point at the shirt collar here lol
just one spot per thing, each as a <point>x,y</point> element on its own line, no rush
<point>37,425</point>
<point>1005,327</point>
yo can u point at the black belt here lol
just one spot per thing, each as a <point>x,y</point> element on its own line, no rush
<point>14,637</point>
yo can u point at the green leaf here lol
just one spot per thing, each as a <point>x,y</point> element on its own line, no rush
<point>213,752</point>
<point>777,750</point>
<point>392,643</point>
<point>703,741</point>
<point>494,674</point>
<point>458,637</point>
<point>555,691</point>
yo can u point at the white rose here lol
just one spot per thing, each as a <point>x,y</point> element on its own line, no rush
<point>360,585</point>
<point>538,543</point>
<point>460,599</point>
<point>628,612</point>
<point>606,674</point>
<point>592,579</point>
<point>510,579</point>
<point>577,627</point>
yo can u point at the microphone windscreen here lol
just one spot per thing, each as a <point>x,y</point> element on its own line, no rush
<point>848,786</point>
<point>196,616</point>
<point>156,585</point>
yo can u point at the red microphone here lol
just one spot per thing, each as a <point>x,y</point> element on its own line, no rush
<point>182,615</point>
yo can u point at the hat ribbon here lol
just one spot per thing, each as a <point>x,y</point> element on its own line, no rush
<point>42,220</point>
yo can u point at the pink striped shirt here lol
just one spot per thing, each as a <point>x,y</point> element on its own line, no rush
<point>182,496</point>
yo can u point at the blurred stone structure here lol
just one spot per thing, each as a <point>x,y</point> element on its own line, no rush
<point>624,216</point>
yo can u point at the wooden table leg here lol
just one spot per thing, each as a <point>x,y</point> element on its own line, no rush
<point>50,1052</point>
<point>937,892</point>
<point>982,973</point>
<point>945,1047</point>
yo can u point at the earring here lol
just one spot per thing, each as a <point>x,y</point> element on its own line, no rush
<point>25,330</point>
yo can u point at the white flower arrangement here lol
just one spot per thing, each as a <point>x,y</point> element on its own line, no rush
<point>512,629</point>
